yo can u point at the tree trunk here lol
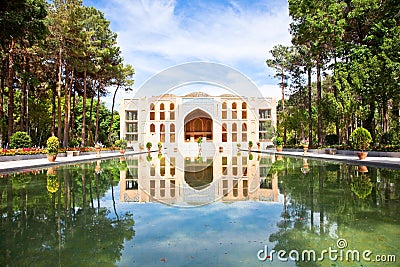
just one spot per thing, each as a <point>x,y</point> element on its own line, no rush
<point>112,115</point>
<point>1,103</point>
<point>9,84</point>
<point>23,96</point>
<point>90,134</point>
<point>59,89</point>
<point>53,110</point>
<point>310,122</point>
<point>83,136</point>
<point>319,97</point>
<point>96,133</point>
<point>67,107</point>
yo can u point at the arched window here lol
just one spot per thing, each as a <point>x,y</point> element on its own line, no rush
<point>172,133</point>
<point>234,111</point>
<point>224,133</point>
<point>162,133</point>
<point>162,113</point>
<point>224,111</point>
<point>244,132</point>
<point>234,132</point>
<point>152,128</point>
<point>244,110</point>
<point>152,113</point>
<point>172,111</point>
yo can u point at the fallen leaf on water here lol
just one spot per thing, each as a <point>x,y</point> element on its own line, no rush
<point>163,260</point>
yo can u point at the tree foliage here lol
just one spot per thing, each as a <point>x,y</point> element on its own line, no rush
<point>55,56</point>
<point>353,49</point>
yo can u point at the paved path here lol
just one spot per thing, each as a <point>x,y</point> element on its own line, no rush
<point>369,161</point>
<point>11,166</point>
<point>17,165</point>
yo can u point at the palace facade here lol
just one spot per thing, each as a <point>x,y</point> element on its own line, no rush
<point>178,121</point>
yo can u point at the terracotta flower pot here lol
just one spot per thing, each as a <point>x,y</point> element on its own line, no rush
<point>362,154</point>
<point>51,158</point>
<point>362,169</point>
<point>122,151</point>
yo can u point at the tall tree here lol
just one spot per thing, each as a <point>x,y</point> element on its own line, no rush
<point>123,79</point>
<point>21,22</point>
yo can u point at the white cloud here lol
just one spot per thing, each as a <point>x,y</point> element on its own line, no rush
<point>157,34</point>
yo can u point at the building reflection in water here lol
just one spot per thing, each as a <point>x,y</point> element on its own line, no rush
<point>175,179</point>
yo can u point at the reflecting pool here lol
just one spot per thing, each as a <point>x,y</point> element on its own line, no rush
<point>172,210</point>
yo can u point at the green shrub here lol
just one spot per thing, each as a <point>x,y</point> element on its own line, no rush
<point>74,142</point>
<point>52,145</point>
<point>389,138</point>
<point>20,140</point>
<point>149,145</point>
<point>250,143</point>
<point>360,139</point>
<point>331,139</point>
<point>278,141</point>
<point>121,143</point>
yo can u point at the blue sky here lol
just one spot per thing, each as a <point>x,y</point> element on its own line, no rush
<point>158,34</point>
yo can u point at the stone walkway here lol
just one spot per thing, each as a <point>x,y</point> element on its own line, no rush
<point>389,162</point>
<point>11,166</point>
<point>17,165</point>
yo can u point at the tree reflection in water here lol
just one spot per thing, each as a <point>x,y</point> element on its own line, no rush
<point>332,201</point>
<point>67,230</point>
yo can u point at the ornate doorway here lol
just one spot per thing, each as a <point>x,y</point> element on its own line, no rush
<point>198,124</point>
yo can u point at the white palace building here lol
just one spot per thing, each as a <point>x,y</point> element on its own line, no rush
<point>178,121</point>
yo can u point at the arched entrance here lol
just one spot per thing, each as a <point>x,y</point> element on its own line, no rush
<point>198,123</point>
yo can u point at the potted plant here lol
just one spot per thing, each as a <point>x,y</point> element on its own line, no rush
<point>360,139</point>
<point>148,146</point>
<point>52,148</point>
<point>199,141</point>
<point>258,145</point>
<point>304,143</point>
<point>278,143</point>
<point>98,147</point>
<point>250,144</point>
<point>122,143</point>
<point>159,145</point>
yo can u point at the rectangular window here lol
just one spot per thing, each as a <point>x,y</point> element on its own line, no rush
<point>245,188</point>
<point>225,187</point>
<point>172,188</point>
<point>172,138</point>
<point>265,113</point>
<point>244,137</point>
<point>172,115</point>
<point>162,116</point>
<point>132,127</point>
<point>234,114</point>
<point>244,114</point>
<point>152,188</point>
<point>224,116</point>
<point>234,137</point>
<point>131,115</point>
<point>224,137</point>
<point>152,115</point>
<point>131,137</point>
<point>162,188</point>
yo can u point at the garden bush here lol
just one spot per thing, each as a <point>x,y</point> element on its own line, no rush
<point>20,140</point>
<point>331,139</point>
<point>390,138</point>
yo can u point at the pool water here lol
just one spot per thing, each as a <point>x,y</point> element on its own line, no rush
<point>197,211</point>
